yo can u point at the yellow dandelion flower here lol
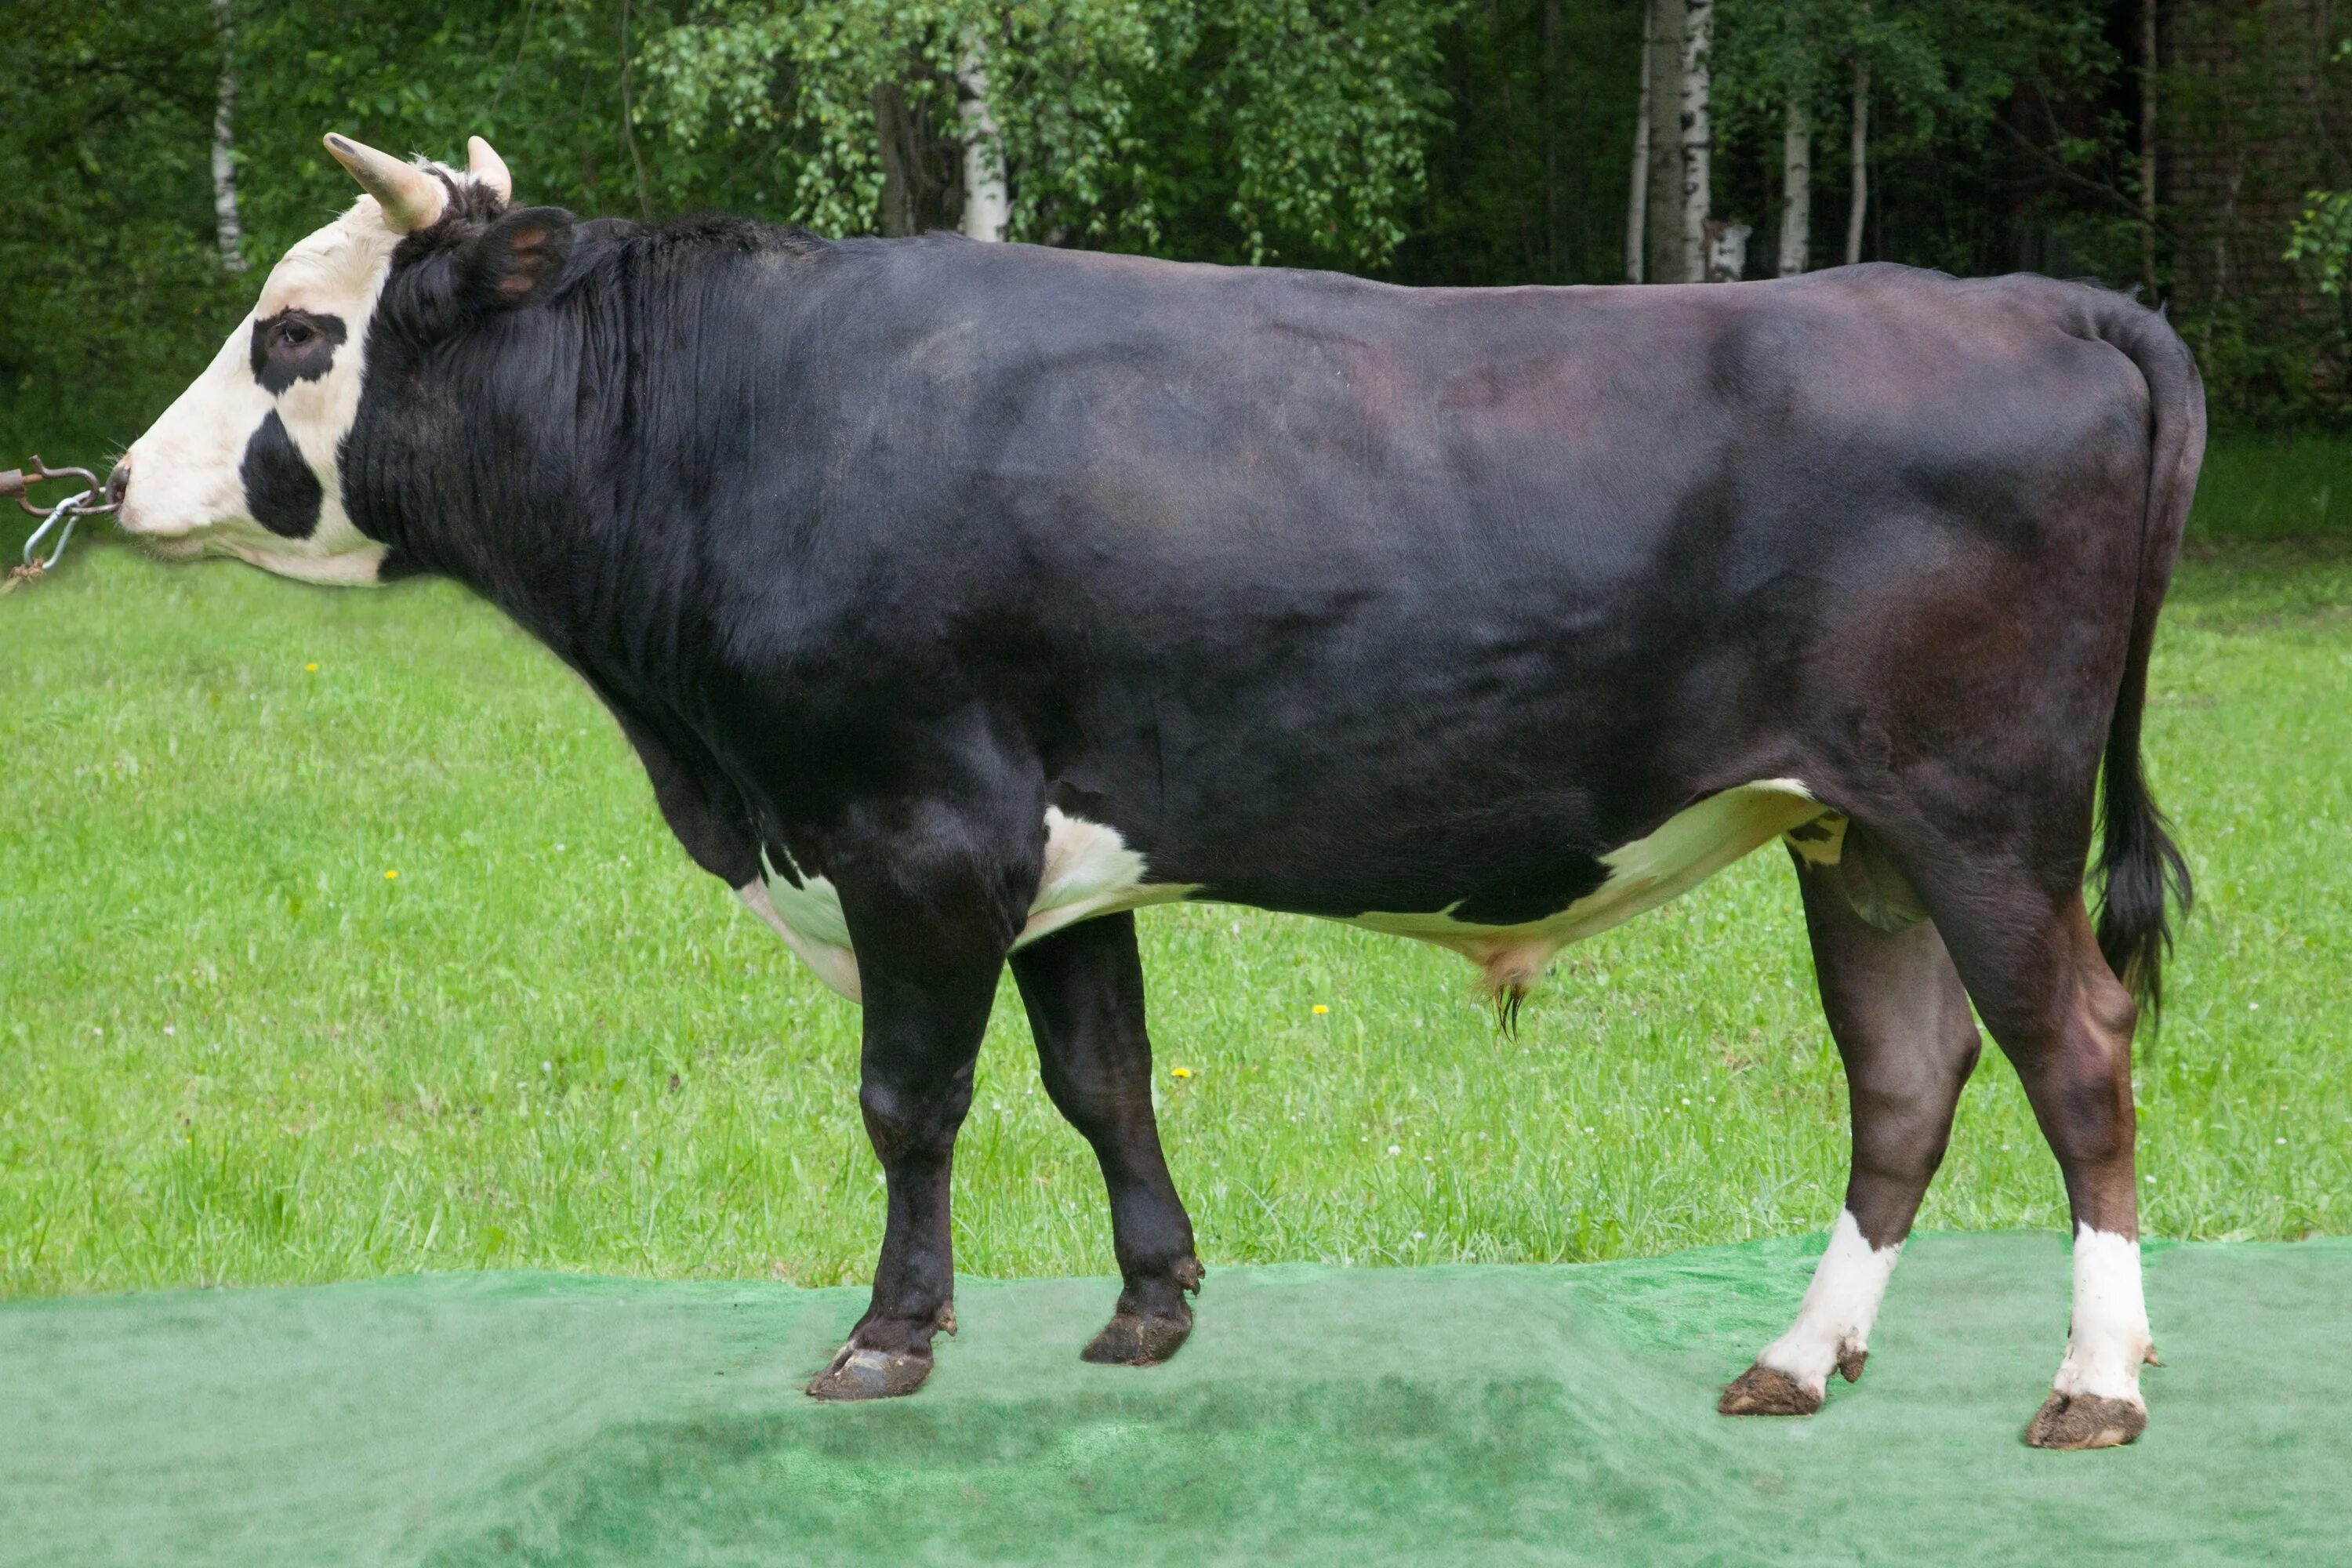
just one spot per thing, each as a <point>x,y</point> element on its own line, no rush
<point>1179,1072</point>
<point>1319,1009</point>
<point>311,668</point>
<point>392,876</point>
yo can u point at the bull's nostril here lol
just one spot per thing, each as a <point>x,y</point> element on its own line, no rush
<point>118,483</point>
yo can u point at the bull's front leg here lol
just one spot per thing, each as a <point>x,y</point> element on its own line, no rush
<point>931,930</point>
<point>1084,990</point>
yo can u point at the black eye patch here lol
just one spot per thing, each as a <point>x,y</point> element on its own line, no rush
<point>294,345</point>
<point>281,491</point>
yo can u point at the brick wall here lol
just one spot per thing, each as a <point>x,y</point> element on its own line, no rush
<point>2253,116</point>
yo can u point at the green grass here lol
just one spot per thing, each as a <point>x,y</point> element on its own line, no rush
<point>232,1049</point>
<point>2274,485</point>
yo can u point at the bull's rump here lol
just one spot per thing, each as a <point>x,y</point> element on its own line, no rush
<point>1341,598</point>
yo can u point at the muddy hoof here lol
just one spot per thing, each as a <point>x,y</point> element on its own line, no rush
<point>1767,1391</point>
<point>871,1374</point>
<point>2085,1421</point>
<point>1851,1361</point>
<point>1132,1339</point>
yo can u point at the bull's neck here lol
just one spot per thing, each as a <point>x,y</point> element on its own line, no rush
<point>530,488</point>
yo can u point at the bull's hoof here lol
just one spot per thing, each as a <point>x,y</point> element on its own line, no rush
<point>1133,1339</point>
<point>1768,1391</point>
<point>1851,1361</point>
<point>857,1373</point>
<point>2085,1421</point>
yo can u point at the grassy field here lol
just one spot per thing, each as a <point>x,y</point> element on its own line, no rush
<point>339,936</point>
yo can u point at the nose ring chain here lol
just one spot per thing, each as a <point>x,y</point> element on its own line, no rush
<point>85,502</point>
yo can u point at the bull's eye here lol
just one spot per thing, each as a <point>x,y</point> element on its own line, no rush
<point>294,345</point>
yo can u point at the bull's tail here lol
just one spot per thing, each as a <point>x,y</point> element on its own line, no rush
<point>2139,863</point>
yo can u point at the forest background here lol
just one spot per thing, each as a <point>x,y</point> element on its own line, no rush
<point>157,155</point>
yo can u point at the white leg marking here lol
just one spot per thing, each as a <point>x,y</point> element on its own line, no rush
<point>2109,1337</point>
<point>1840,1305</point>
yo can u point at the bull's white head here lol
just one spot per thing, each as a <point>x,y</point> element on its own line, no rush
<point>246,463</point>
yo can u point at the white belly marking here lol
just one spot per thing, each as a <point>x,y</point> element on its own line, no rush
<point>1089,871</point>
<point>1687,848</point>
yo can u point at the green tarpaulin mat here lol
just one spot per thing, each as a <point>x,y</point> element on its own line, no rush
<point>1470,1415</point>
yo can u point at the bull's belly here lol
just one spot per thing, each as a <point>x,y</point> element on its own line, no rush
<point>1089,871</point>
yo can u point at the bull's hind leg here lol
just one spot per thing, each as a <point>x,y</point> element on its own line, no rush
<point>1901,1021</point>
<point>1084,991</point>
<point>2062,1018</point>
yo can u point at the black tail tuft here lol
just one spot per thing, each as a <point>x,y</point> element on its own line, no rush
<point>2139,868</point>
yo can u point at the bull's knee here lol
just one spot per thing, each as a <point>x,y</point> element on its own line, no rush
<point>905,1123</point>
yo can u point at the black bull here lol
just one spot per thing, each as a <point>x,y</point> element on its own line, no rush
<point>1328,597</point>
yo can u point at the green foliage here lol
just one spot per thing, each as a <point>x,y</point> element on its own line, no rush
<point>107,272</point>
<point>1315,113</point>
<point>2258,379</point>
<point>2322,239</point>
<point>1528,166</point>
<point>1057,87</point>
<point>1947,79</point>
<point>1940,70</point>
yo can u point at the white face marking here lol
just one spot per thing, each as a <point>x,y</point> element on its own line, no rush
<point>1089,871</point>
<point>1839,1306</point>
<point>188,495</point>
<point>2109,1339</point>
<point>1688,847</point>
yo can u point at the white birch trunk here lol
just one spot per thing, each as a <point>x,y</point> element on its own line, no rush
<point>1698,145</point>
<point>1861,152</point>
<point>1637,200</point>
<point>1796,185</point>
<point>228,231</point>
<point>987,201</point>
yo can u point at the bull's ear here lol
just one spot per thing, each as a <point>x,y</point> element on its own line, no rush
<point>516,261</point>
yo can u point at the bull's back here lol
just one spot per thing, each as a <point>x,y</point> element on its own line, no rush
<point>1416,551</point>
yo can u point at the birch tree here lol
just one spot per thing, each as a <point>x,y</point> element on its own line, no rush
<point>228,230</point>
<point>1637,197</point>
<point>1796,184</point>
<point>987,203</point>
<point>1697,139</point>
<point>1858,156</point>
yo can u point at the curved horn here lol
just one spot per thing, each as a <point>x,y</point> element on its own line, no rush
<point>489,170</point>
<point>410,198</point>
